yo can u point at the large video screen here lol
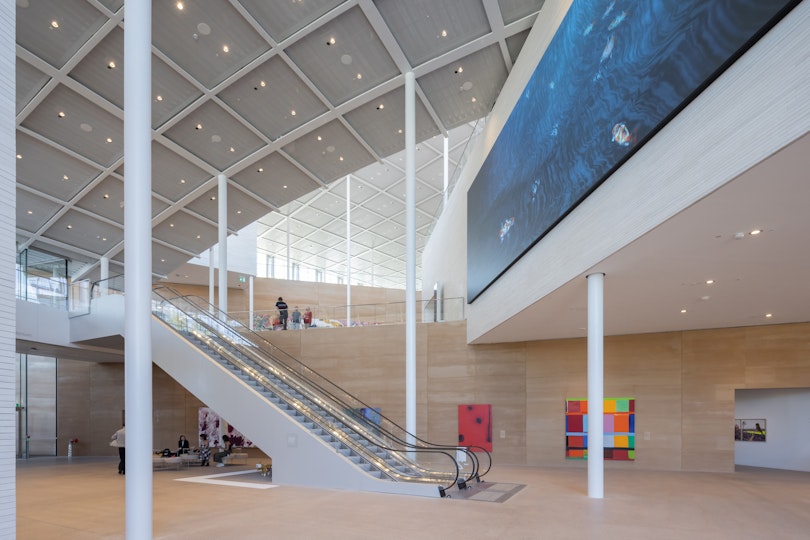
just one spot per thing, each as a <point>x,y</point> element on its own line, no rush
<point>614,73</point>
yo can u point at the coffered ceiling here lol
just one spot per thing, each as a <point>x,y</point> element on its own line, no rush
<point>285,97</point>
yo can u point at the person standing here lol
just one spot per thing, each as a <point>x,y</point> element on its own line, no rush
<point>296,319</point>
<point>119,440</point>
<point>281,305</point>
<point>205,450</point>
<point>307,317</point>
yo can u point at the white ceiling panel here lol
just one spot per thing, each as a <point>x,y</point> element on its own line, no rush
<point>79,229</point>
<point>186,232</point>
<point>275,180</point>
<point>208,39</point>
<point>174,177</point>
<point>426,29</point>
<point>330,152</point>
<point>51,171</point>
<point>102,69</point>
<point>513,10</point>
<point>107,199</point>
<point>344,58</point>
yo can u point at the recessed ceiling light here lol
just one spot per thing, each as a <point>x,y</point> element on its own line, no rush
<point>106,195</point>
<point>331,41</point>
<point>198,237</point>
<point>19,156</point>
<point>65,177</point>
<point>180,6</point>
<point>709,281</point>
<point>293,113</point>
<point>459,69</point>
<point>683,311</point>
<point>60,114</point>
<point>238,211</point>
<point>171,224</point>
<point>111,64</point>
<point>755,232</point>
<point>768,315</point>
<point>198,127</point>
<point>285,187</point>
<point>162,260</point>
<point>225,48</point>
<point>399,130</point>
<point>341,158</point>
<point>262,84</point>
<point>69,227</point>
<point>182,180</point>
<point>213,197</point>
<point>319,138</point>
<point>232,149</point>
<point>359,76</point>
<point>381,106</point>
<point>109,140</point>
<point>158,98</point>
<point>474,100</point>
<point>444,33</point>
<point>30,212</point>
<point>54,24</point>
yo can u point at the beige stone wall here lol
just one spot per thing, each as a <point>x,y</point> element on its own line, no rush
<point>683,383</point>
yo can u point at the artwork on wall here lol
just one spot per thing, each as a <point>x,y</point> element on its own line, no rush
<point>619,426</point>
<point>210,423</point>
<point>475,427</point>
<point>750,430</point>
<point>614,74</point>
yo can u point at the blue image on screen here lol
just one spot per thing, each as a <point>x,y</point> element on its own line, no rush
<point>614,73</point>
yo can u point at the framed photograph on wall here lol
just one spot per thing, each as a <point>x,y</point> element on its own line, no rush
<point>753,429</point>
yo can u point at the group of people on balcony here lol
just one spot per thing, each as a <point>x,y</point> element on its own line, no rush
<point>284,319</point>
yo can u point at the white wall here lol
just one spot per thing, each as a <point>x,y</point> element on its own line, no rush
<point>787,444</point>
<point>755,108</point>
<point>8,194</point>
<point>241,252</point>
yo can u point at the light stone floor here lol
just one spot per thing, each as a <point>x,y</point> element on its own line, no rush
<point>84,499</point>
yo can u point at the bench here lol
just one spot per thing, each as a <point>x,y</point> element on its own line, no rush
<point>235,458</point>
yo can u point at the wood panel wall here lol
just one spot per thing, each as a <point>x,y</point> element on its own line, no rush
<point>683,383</point>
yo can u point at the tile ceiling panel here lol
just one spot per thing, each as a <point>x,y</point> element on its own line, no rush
<point>214,136</point>
<point>422,191</point>
<point>325,238</point>
<point>367,239</point>
<point>513,10</point>
<point>385,205</point>
<point>112,5</point>
<point>172,176</point>
<point>54,31</point>
<point>422,219</point>
<point>275,180</point>
<point>164,260</point>
<point>380,175</point>
<point>382,122</point>
<point>107,199</point>
<point>186,232</point>
<point>313,217</point>
<point>330,152</point>
<point>79,229</point>
<point>462,97</point>
<point>85,128</point>
<point>356,62</point>
<point>34,211</point>
<point>102,69</point>
<point>44,168</point>
<point>426,29</point>
<point>433,174</point>
<point>171,93</point>
<point>363,218</point>
<point>29,82</point>
<point>273,99</point>
<point>283,19</point>
<point>208,38</point>
<point>390,230</point>
<point>242,209</point>
<point>515,44</point>
<point>329,204</point>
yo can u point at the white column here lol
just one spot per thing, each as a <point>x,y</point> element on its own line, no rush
<point>250,303</point>
<point>222,199</point>
<point>446,169</point>
<point>348,250</point>
<point>138,267</point>
<point>104,274</point>
<point>410,255</point>
<point>8,305</point>
<point>596,338</point>
<point>289,264</point>
<point>211,277</point>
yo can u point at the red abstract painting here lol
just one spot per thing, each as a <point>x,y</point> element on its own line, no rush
<point>475,427</point>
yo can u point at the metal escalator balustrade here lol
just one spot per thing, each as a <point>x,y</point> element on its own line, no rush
<point>376,448</point>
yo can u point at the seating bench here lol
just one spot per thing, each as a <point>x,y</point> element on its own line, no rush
<point>235,458</point>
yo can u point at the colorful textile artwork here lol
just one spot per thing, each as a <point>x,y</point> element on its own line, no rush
<point>210,423</point>
<point>475,427</point>
<point>619,429</point>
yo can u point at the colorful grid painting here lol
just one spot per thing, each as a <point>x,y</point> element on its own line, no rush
<point>475,427</point>
<point>619,426</point>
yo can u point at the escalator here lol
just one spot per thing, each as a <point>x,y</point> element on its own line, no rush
<point>315,431</point>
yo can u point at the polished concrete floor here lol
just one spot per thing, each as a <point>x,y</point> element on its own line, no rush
<point>84,499</point>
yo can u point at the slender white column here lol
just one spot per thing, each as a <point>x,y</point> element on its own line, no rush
<point>250,303</point>
<point>138,267</point>
<point>348,250</point>
<point>410,255</point>
<point>289,264</point>
<point>596,339</point>
<point>222,199</point>
<point>211,277</point>
<point>104,274</point>
<point>446,169</point>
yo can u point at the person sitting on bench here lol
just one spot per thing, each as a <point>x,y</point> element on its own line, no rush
<point>226,451</point>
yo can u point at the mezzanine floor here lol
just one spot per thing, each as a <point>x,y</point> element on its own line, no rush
<point>84,499</point>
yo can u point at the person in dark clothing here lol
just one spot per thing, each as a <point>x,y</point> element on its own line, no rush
<point>119,441</point>
<point>182,445</point>
<point>226,451</point>
<point>281,305</point>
